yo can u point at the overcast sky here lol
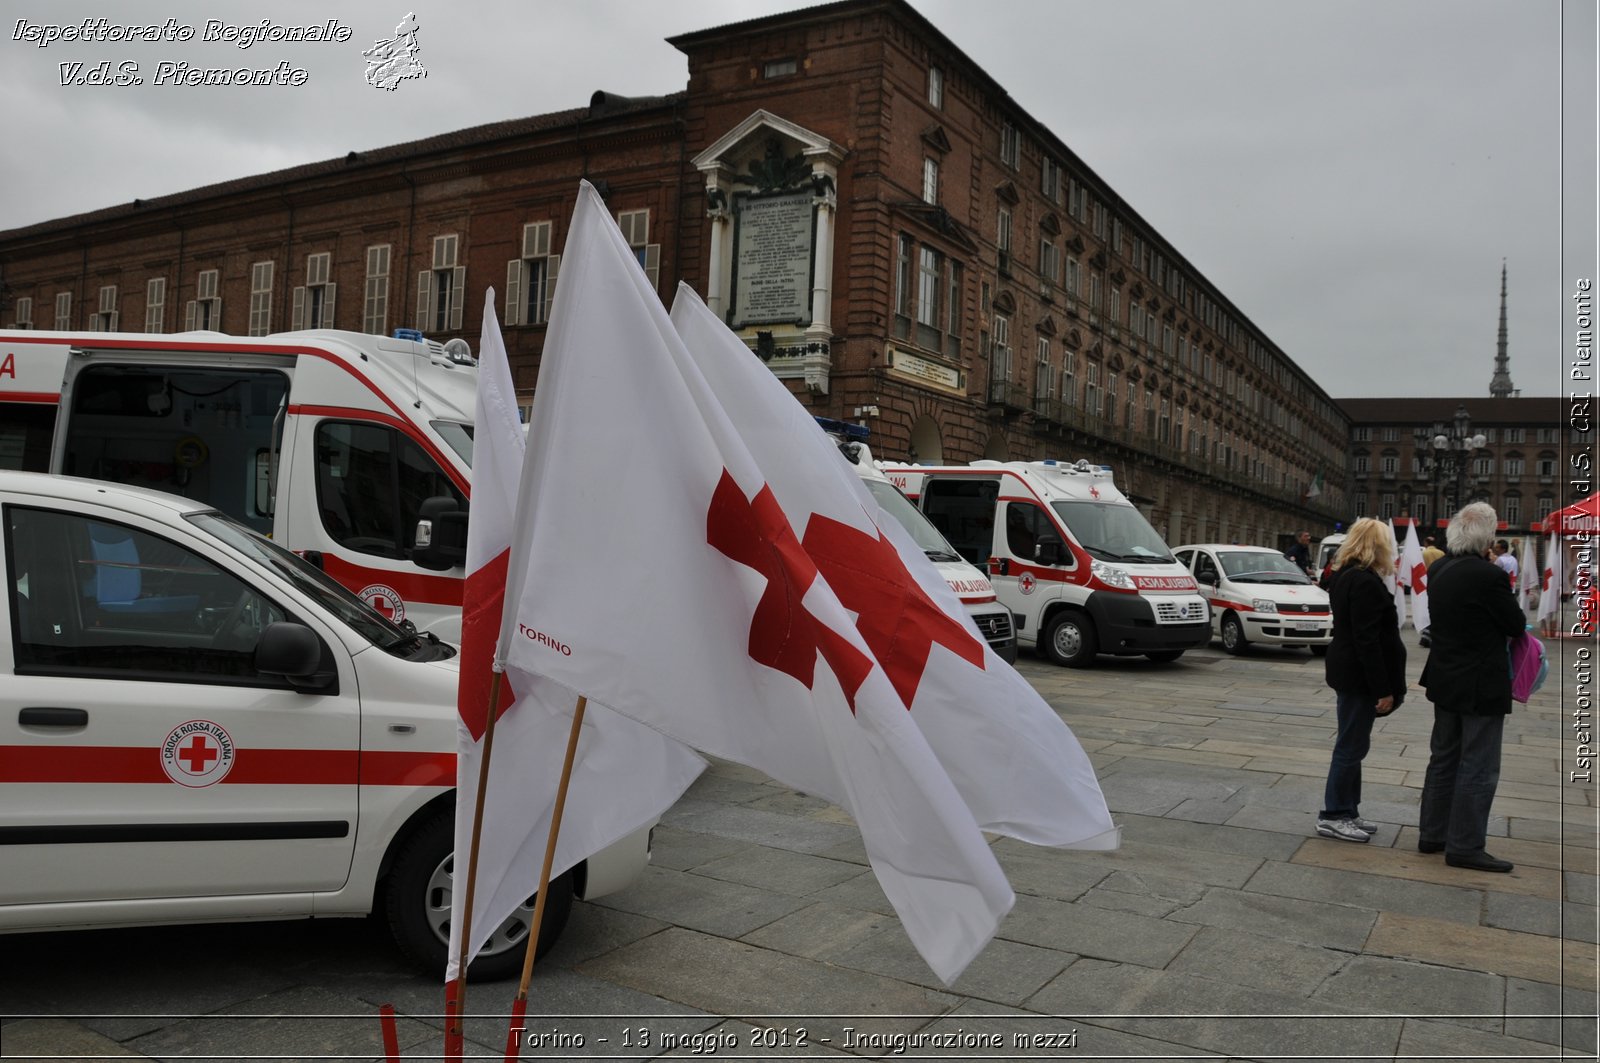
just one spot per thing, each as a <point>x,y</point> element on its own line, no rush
<point>1349,174</point>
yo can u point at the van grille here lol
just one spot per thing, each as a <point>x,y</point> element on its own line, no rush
<point>1301,607</point>
<point>1179,609</point>
<point>994,627</point>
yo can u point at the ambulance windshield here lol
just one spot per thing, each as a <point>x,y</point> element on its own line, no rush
<point>911,519</point>
<point>1113,532</point>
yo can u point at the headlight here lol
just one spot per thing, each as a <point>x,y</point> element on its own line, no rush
<point>1112,576</point>
<point>1262,605</point>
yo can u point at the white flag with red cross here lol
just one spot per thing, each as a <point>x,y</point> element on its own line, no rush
<point>1014,761</point>
<point>655,570</point>
<point>1414,574</point>
<point>1554,580</point>
<point>624,776</point>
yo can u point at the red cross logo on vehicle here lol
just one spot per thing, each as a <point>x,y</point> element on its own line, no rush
<point>197,753</point>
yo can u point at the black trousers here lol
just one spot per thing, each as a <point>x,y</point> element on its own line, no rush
<point>1463,771</point>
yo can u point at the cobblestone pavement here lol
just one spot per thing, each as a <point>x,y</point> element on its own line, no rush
<point>1223,928</point>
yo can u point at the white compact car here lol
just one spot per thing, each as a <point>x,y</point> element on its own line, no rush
<point>197,726</point>
<point>1258,595</point>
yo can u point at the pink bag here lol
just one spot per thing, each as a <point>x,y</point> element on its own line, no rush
<point>1529,666</point>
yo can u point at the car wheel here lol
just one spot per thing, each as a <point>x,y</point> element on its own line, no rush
<point>416,901</point>
<point>1233,634</point>
<point>1319,651</point>
<point>1165,656</point>
<point>1070,639</point>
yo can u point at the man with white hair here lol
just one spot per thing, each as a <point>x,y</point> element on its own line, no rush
<point>1468,679</point>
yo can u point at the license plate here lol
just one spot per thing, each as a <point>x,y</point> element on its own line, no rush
<point>1307,629</point>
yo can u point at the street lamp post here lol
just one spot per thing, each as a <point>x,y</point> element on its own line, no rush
<point>1447,451</point>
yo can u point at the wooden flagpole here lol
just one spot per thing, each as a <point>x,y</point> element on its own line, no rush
<point>519,1007</point>
<point>455,992</point>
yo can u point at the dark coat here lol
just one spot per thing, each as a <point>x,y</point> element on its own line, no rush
<point>1473,613</point>
<point>1366,655</point>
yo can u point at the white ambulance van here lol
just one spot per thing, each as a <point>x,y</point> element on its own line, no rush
<point>330,442</point>
<point>197,725</point>
<point>977,594</point>
<point>1079,567</point>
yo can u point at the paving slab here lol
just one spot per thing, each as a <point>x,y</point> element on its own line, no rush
<point>701,903</point>
<point>1117,901</point>
<point>1535,915</point>
<point>38,1040</point>
<point>1374,892</point>
<point>780,870</point>
<point>1531,956</point>
<point>1088,931</point>
<point>1006,972</point>
<point>1256,960</point>
<point>1432,1039</point>
<point>760,827</point>
<point>1306,922</point>
<point>1380,986</point>
<point>1425,867</point>
<point>739,980</point>
<point>1540,1012</point>
<point>1523,851</point>
<point>1199,865</point>
<point>820,931</point>
<point>681,850</point>
<point>1063,874</point>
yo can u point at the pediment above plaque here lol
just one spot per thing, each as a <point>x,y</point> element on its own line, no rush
<point>1050,225</point>
<point>1099,260</point>
<point>1115,361</point>
<point>1095,351</point>
<point>1137,291</point>
<point>1075,245</point>
<point>936,139</point>
<point>1134,375</point>
<point>1117,276</point>
<point>1047,327</point>
<point>1183,397</point>
<point>1004,303</point>
<point>1074,339</point>
<point>1006,192</point>
<point>1166,389</point>
<point>1171,314</point>
<point>731,154</point>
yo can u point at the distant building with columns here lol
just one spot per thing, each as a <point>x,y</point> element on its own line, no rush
<point>868,209</point>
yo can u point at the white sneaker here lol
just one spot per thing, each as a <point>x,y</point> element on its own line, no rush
<point>1344,830</point>
<point>1365,826</point>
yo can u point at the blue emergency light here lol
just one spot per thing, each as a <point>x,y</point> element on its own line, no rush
<point>853,433</point>
<point>408,334</point>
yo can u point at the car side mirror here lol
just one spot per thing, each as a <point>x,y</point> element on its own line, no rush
<point>294,652</point>
<point>1050,552</point>
<point>441,535</point>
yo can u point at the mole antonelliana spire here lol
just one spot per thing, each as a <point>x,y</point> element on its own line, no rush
<point>1500,386</point>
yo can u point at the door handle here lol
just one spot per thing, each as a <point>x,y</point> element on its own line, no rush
<point>53,716</point>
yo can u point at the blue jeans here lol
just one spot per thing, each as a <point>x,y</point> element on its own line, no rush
<point>1463,773</point>
<point>1342,798</point>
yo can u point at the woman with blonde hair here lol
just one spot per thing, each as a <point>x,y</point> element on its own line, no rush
<point>1365,666</point>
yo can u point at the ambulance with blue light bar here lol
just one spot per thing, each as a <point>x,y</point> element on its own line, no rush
<point>977,594</point>
<point>333,443</point>
<point>1078,566</point>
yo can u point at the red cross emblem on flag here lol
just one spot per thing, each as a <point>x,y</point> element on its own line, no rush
<point>1419,578</point>
<point>893,613</point>
<point>783,634</point>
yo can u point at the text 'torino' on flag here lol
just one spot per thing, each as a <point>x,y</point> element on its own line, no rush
<point>622,586</point>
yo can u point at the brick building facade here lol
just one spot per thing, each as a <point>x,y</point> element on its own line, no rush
<point>952,264</point>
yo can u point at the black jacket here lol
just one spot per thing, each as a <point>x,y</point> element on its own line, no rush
<point>1473,613</point>
<point>1366,655</point>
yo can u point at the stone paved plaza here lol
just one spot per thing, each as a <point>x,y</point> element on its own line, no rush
<point>1223,928</point>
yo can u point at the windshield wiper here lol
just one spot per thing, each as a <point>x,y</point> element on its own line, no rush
<point>941,555</point>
